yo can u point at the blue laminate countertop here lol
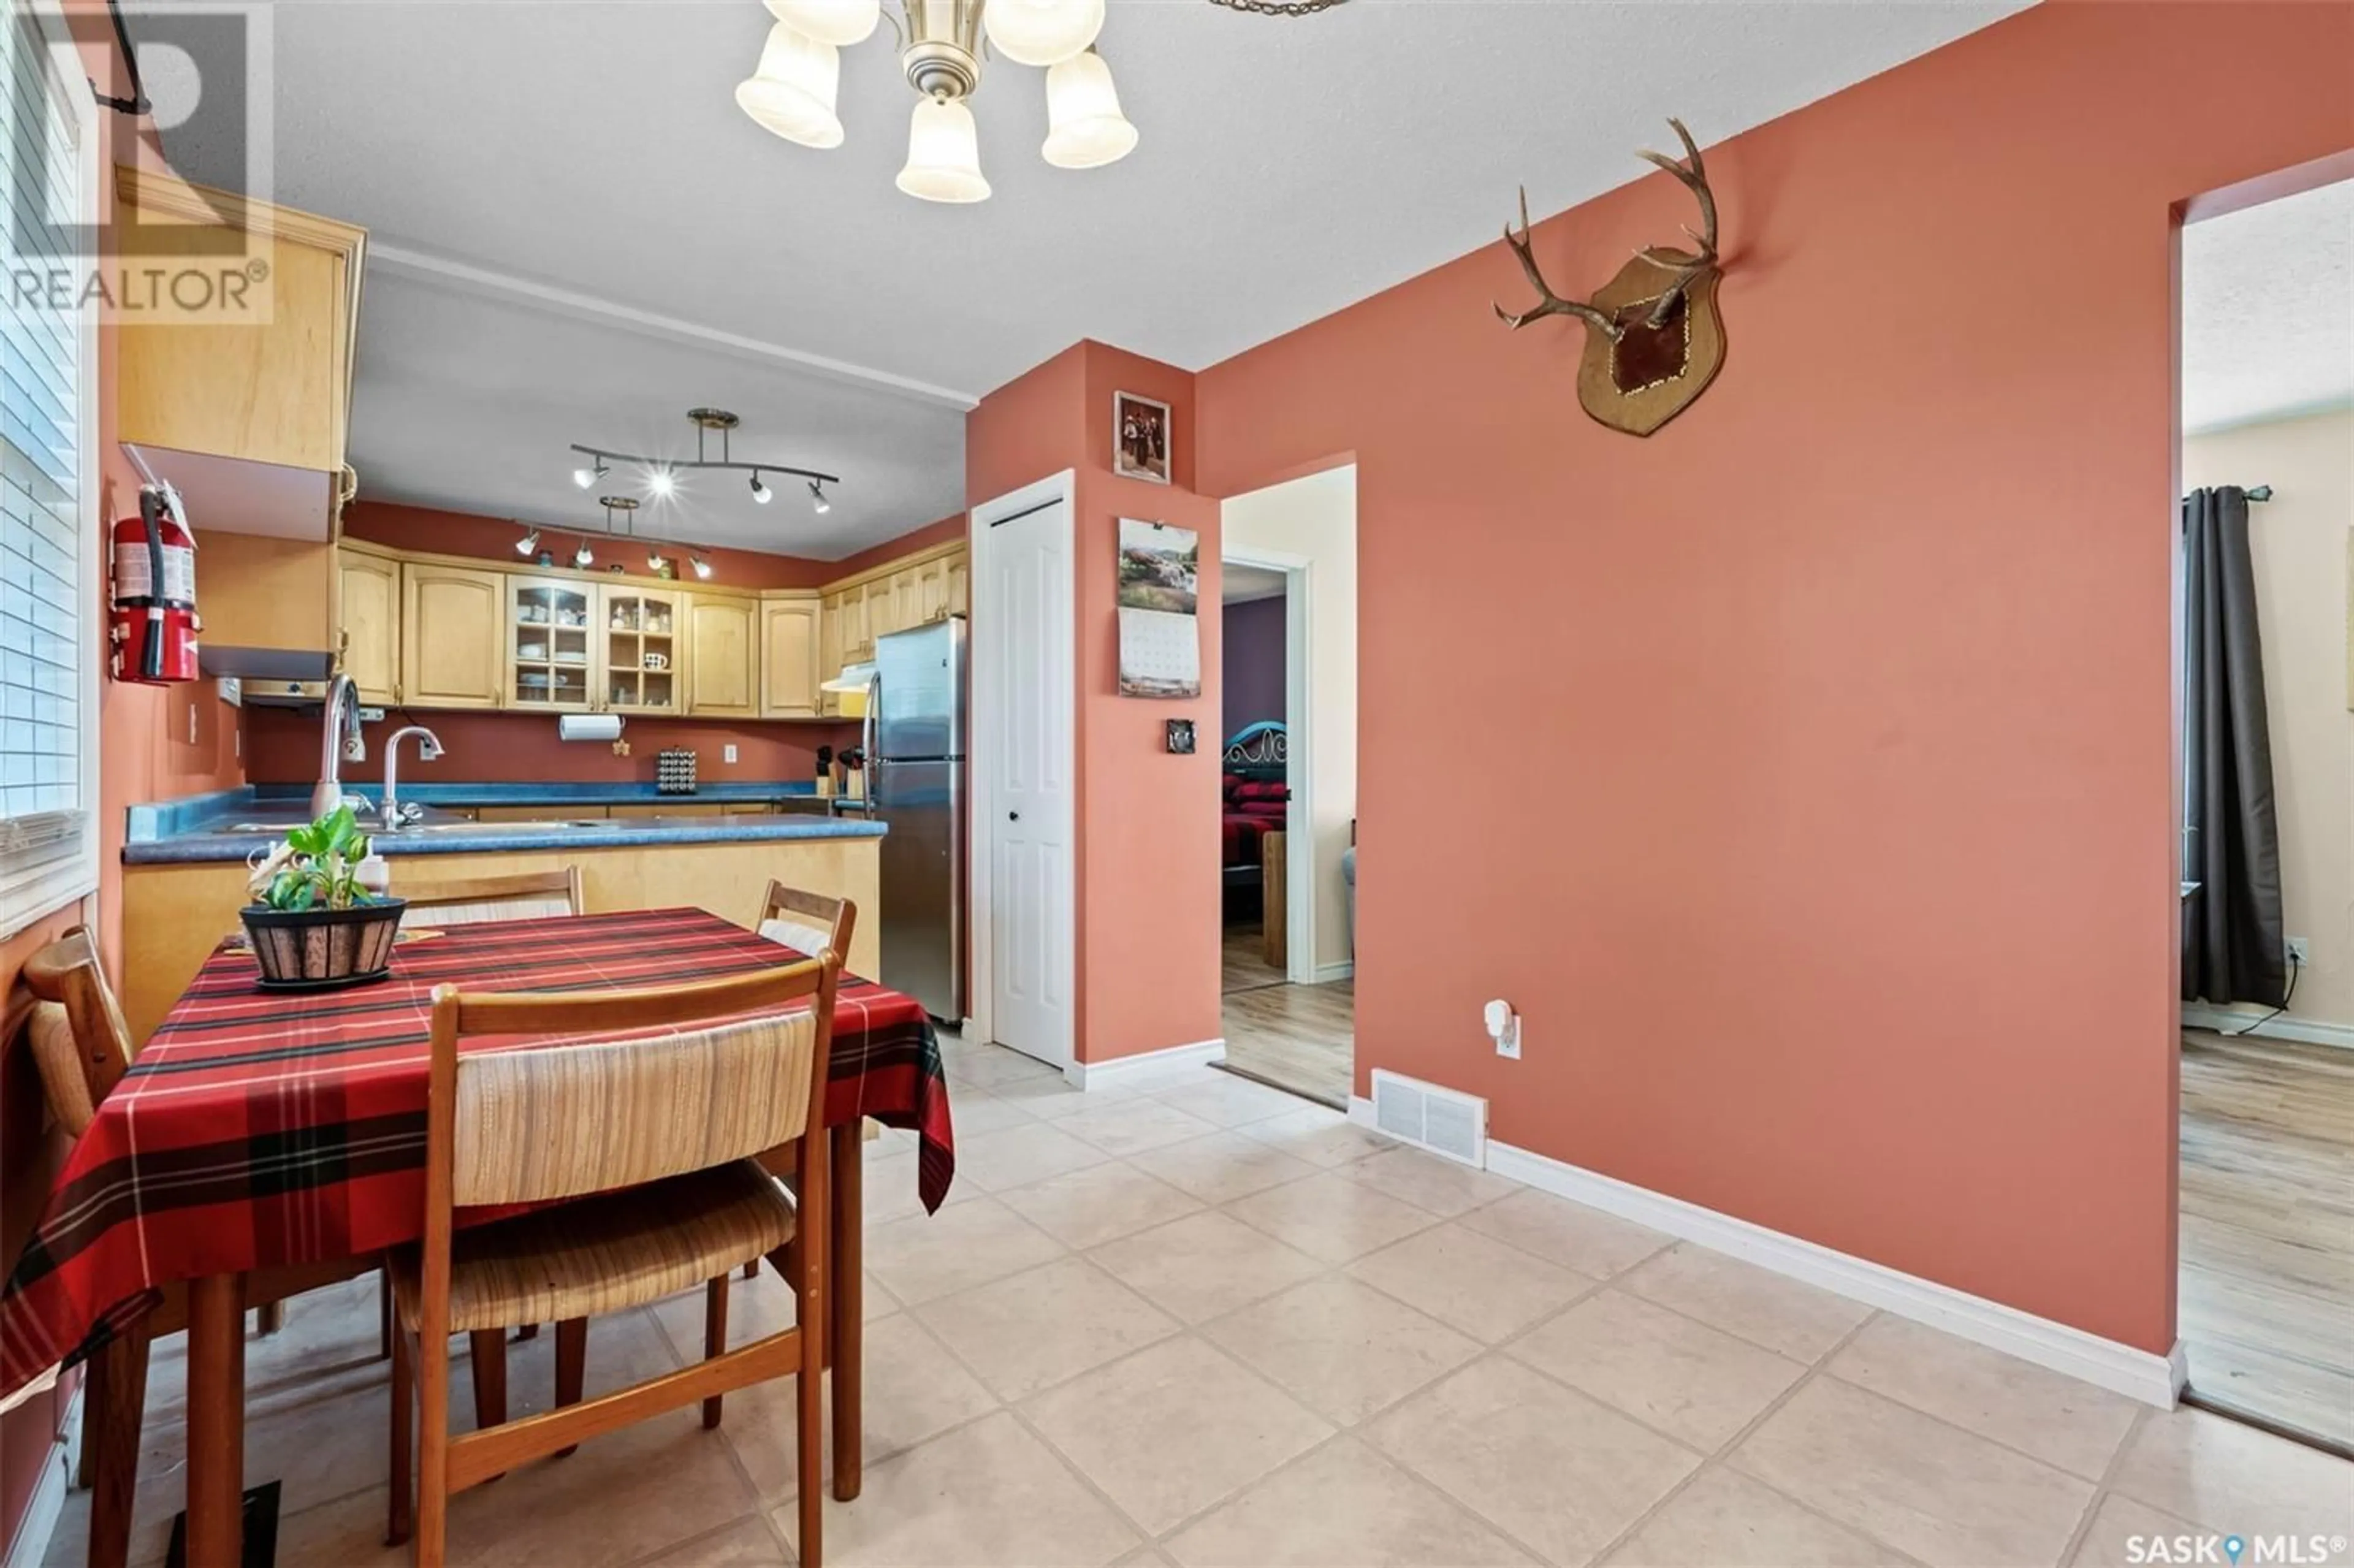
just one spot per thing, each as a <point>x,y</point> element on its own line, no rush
<point>231,824</point>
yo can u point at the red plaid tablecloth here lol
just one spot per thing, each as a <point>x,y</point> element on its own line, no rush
<point>261,1129</point>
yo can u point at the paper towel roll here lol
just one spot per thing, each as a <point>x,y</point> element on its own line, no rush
<point>588,726</point>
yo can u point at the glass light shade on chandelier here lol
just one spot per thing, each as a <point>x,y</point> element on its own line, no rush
<point>840,23</point>
<point>792,92</point>
<point>1042,32</point>
<point>943,154</point>
<point>1085,129</point>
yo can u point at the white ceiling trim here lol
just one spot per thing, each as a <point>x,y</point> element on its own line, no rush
<point>483,281</point>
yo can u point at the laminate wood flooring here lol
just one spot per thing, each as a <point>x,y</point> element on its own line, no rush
<point>2267,1282</point>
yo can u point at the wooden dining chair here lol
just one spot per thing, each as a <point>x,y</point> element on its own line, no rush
<point>655,1141</point>
<point>81,1048</point>
<point>807,922</point>
<point>467,901</point>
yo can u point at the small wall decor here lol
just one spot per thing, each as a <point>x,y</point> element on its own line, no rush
<point>1159,631</point>
<point>1654,339</point>
<point>1141,437</point>
<point>1181,736</point>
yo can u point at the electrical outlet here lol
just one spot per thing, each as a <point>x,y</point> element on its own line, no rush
<point>726,753</point>
<point>2299,953</point>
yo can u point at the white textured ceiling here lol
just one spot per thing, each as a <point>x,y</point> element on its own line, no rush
<point>582,167</point>
<point>2268,310</point>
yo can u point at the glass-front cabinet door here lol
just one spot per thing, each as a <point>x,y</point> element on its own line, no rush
<point>551,649</point>
<point>644,636</point>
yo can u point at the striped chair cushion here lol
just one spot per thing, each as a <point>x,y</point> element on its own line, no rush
<point>800,937</point>
<point>435,916</point>
<point>557,1121</point>
<point>605,1254</point>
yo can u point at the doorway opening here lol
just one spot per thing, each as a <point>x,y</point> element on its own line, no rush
<point>1287,786</point>
<point>2264,614</point>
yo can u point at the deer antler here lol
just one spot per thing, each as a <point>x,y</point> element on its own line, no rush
<point>1549,304</point>
<point>1687,265</point>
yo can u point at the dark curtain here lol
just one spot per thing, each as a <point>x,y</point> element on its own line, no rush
<point>2231,938</point>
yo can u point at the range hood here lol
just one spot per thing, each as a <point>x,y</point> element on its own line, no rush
<point>255,665</point>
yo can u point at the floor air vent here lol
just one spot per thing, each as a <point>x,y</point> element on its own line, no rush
<point>1444,1122</point>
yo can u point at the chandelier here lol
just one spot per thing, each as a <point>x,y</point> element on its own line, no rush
<point>940,49</point>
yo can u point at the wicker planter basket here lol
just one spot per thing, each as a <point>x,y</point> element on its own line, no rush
<point>316,950</point>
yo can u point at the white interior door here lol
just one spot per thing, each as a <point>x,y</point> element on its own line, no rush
<point>1025,611</point>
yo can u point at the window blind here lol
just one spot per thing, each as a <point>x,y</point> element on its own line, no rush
<point>46,825</point>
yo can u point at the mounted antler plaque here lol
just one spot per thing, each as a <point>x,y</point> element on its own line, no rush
<point>1654,339</point>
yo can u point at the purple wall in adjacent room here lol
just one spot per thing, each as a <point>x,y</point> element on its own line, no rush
<point>1254,663</point>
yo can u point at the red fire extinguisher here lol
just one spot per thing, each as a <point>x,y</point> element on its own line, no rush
<point>151,615</point>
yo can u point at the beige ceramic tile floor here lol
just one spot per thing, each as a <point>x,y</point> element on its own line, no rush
<point>1189,1321</point>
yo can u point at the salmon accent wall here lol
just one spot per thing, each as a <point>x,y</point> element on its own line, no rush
<point>1824,834</point>
<point>1146,853</point>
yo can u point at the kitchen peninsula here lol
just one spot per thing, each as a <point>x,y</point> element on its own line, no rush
<point>185,861</point>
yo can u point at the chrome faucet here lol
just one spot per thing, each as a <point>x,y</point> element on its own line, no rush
<point>429,747</point>
<point>344,715</point>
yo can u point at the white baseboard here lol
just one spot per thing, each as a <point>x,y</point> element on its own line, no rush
<point>2231,1020</point>
<point>1325,974</point>
<point>1360,1111</point>
<point>1119,1069</point>
<point>2140,1374</point>
<point>30,1545</point>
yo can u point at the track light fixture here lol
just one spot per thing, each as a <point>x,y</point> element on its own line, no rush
<point>528,545</point>
<point>701,567</point>
<point>818,503</point>
<point>663,474</point>
<point>584,557</point>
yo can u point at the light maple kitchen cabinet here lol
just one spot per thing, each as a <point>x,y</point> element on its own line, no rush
<point>643,636</point>
<point>931,591</point>
<point>368,589</point>
<point>960,584</point>
<point>857,642</point>
<point>206,398</point>
<point>791,632</point>
<point>548,644</point>
<point>882,608</point>
<point>829,651</point>
<point>453,623</point>
<point>723,656</point>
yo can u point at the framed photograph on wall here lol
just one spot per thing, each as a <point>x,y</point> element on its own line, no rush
<point>1141,437</point>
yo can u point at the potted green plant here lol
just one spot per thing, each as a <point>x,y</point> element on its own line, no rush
<point>319,917</point>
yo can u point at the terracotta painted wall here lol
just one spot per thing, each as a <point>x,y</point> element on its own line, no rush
<point>1147,848</point>
<point>481,748</point>
<point>1829,853</point>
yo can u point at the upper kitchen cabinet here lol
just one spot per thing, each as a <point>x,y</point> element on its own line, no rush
<point>643,633</point>
<point>791,655</point>
<point>247,417</point>
<point>549,643</point>
<point>723,656</point>
<point>453,623</point>
<point>368,586</point>
<point>960,584</point>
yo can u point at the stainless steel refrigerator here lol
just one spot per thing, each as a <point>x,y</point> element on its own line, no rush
<point>916,780</point>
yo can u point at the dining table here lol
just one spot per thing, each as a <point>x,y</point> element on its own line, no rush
<point>262,1133</point>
